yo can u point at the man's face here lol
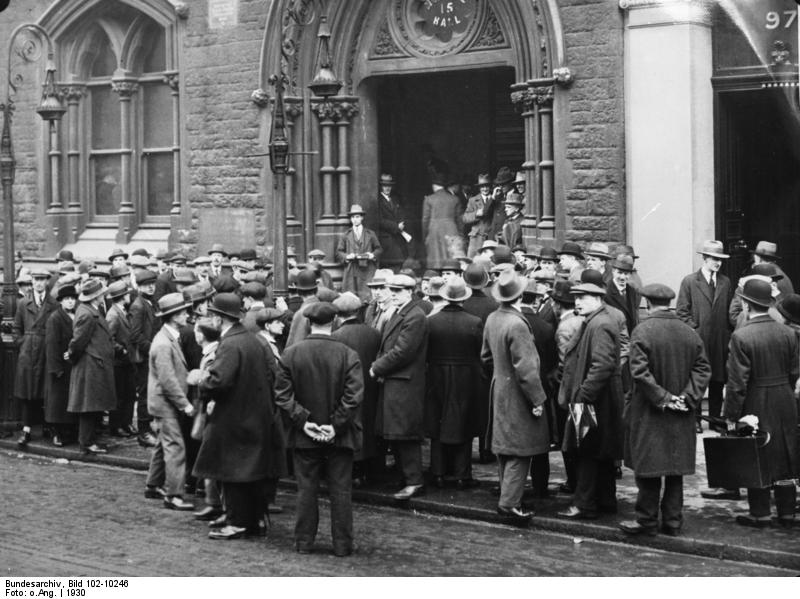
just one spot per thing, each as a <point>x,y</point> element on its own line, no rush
<point>595,263</point>
<point>202,268</point>
<point>425,286</point>
<point>585,304</point>
<point>519,257</point>
<point>357,219</point>
<point>567,261</point>
<point>711,263</point>
<point>118,261</point>
<point>176,265</point>
<point>291,262</point>
<point>449,274</point>
<point>315,260</point>
<point>548,265</point>
<point>216,320</point>
<point>180,318</point>
<point>383,294</point>
<point>485,190</point>
<point>400,296</point>
<point>39,284</point>
<point>386,190</point>
<point>126,300</point>
<point>68,303</point>
<point>275,327</point>
<point>511,209</point>
<point>543,288</point>
<point>520,188</point>
<point>530,262</point>
<point>201,308</point>
<point>620,277</point>
<point>216,258</point>
<point>147,289</point>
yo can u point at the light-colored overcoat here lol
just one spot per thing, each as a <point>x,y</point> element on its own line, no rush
<point>166,382</point>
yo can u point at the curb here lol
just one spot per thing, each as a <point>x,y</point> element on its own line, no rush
<point>591,530</point>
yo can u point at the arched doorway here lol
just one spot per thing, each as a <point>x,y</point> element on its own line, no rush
<point>480,87</point>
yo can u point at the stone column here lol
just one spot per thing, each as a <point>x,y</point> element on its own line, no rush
<point>523,99</point>
<point>172,80</point>
<point>347,109</point>
<point>543,98</point>
<point>125,88</point>
<point>69,230</point>
<point>669,141</point>
<point>327,112</point>
<point>294,108</point>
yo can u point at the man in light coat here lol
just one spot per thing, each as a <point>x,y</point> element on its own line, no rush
<point>359,250</point>
<point>670,375</point>
<point>518,429</point>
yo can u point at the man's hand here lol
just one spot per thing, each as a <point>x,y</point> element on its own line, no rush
<point>371,256</point>
<point>314,431</point>
<point>280,304</point>
<point>194,377</point>
<point>350,256</point>
<point>371,372</point>
<point>479,212</point>
<point>401,225</point>
<point>189,410</point>
<point>730,425</point>
<point>537,411</point>
<point>328,431</point>
<point>210,407</point>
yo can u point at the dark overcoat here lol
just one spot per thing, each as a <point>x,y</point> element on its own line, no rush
<point>480,226</point>
<point>666,358</point>
<point>394,246</point>
<point>365,341</point>
<point>454,377</point>
<point>628,305</point>
<point>56,386</point>
<point>592,376</point>
<point>544,338</point>
<point>240,441</point>
<point>762,370</point>
<point>357,272</point>
<point>508,350</point>
<point>321,380</point>
<point>708,316</point>
<point>481,305</point>
<point>91,386</point>
<point>119,325</point>
<point>144,326</point>
<point>400,366</point>
<point>30,323</point>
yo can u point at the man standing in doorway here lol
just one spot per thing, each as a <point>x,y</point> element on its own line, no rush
<point>392,232</point>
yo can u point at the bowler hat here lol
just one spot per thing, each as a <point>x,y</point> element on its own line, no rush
<point>401,281</point>
<point>571,248</point>
<point>598,250</point>
<point>217,248</point>
<point>767,270</point>
<point>91,289</point>
<point>171,303</point>
<point>561,293</point>
<point>548,253</point>
<point>658,292</point>
<point>789,307</point>
<point>591,283</point>
<point>455,290</point>
<point>508,287</point>
<point>756,292</point>
<point>65,256</point>
<point>227,304</point>
<point>138,261</point>
<point>767,249</point>
<point>355,209</point>
<point>320,313</point>
<point>488,244</point>
<point>140,252</point>
<point>145,277</point>
<point>503,255</point>
<point>265,315</point>
<point>117,253</point>
<point>475,276</point>
<point>117,289</point>
<point>66,291</point>
<point>429,274</point>
<point>623,262</point>
<point>386,179</point>
<point>713,248</point>
<point>248,254</point>
<point>519,248</point>
<point>306,280</point>
<point>435,287</point>
<point>504,176</point>
<point>450,264</point>
<point>347,303</point>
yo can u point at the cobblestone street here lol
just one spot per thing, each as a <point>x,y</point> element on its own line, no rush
<point>68,518</point>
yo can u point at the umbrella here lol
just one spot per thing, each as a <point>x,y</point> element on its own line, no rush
<point>584,418</point>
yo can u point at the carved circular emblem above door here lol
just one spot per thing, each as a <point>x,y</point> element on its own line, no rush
<point>437,27</point>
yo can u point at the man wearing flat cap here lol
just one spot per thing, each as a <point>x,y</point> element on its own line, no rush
<point>400,372</point>
<point>670,375</point>
<point>315,261</point>
<point>144,326</point>
<point>703,302</point>
<point>359,250</point>
<point>320,388</point>
<point>30,323</point>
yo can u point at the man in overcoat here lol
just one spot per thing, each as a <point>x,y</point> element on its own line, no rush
<point>518,428</point>
<point>400,372</point>
<point>119,324</point>
<point>441,222</point>
<point>391,226</point>
<point>30,322</point>
<point>703,302</point>
<point>591,388</point>
<point>306,287</point>
<point>479,215</point>
<point>91,351</point>
<point>242,447</point>
<point>454,383</point>
<point>511,233</point>
<point>58,333</point>
<point>670,374</point>
<point>320,388</point>
<point>144,326</point>
<point>762,371</point>
<point>359,250</point>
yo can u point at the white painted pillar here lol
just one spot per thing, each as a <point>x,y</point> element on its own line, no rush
<point>669,135</point>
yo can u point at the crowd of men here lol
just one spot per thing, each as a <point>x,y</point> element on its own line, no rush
<point>529,352</point>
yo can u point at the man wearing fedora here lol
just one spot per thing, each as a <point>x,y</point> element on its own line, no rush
<point>118,257</point>
<point>441,221</point>
<point>359,250</point>
<point>591,389</point>
<point>91,351</point>
<point>703,302</point>
<point>144,326</point>
<point>454,383</point>
<point>242,446</point>
<point>670,375</point>
<point>479,215</point>
<point>620,294</point>
<point>168,403</point>
<point>597,257</point>
<point>767,252</point>
<point>380,308</point>
<point>569,257</point>
<point>762,370</point>
<point>392,234</point>
<point>518,428</point>
<point>504,186</point>
<point>30,323</point>
<point>400,372</point>
<point>511,232</point>
<point>119,325</point>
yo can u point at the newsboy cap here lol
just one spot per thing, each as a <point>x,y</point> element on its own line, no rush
<point>145,277</point>
<point>347,303</point>
<point>658,292</point>
<point>320,313</point>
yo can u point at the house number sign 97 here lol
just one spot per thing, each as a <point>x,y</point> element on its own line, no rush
<point>785,19</point>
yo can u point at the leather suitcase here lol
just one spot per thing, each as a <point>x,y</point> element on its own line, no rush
<point>736,462</point>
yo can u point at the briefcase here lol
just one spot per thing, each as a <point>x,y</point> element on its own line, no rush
<point>734,462</point>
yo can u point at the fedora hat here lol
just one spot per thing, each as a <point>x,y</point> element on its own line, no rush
<point>217,248</point>
<point>713,248</point>
<point>488,244</point>
<point>91,289</point>
<point>789,307</point>
<point>622,248</point>
<point>435,287</point>
<point>171,303</point>
<point>504,176</point>
<point>571,248</point>
<point>401,281</point>
<point>548,253</point>
<point>623,262</point>
<point>531,290</point>
<point>484,179</point>
<point>117,289</point>
<point>756,292</point>
<point>66,291</point>
<point>476,276</point>
<point>514,199</point>
<point>591,283</point>
<point>184,276</point>
<point>561,293</point>
<point>355,209</point>
<point>386,179</point>
<point>117,272</point>
<point>202,260</point>
<point>381,276</point>
<point>508,287</point>
<point>503,255</point>
<point>306,280</point>
<point>520,178</point>
<point>455,290</point>
<point>598,250</point>
<point>227,304</point>
<point>767,249</point>
<point>117,253</point>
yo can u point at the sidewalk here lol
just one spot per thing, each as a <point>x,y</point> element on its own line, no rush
<point>709,529</point>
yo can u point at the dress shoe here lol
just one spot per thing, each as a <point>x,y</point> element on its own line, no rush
<point>155,493</point>
<point>226,533</point>
<point>94,449</point>
<point>120,432</point>
<point>631,527</point>
<point>177,503</point>
<point>274,509</point>
<point>23,440</point>
<point>516,513</point>
<point>575,513</point>
<point>752,521</point>
<point>786,522</point>
<point>147,439</point>
<point>57,441</point>
<point>408,492</point>
<point>210,512</point>
<point>721,494</point>
<point>670,531</point>
<point>462,484</point>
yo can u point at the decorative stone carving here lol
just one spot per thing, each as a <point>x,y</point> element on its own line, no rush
<point>491,35</point>
<point>541,30</point>
<point>543,95</point>
<point>293,108</point>
<point>181,10</point>
<point>260,98</point>
<point>125,87</point>
<point>780,53</point>
<point>524,100</point>
<point>72,93</point>
<point>335,110</point>
<point>563,76</point>
<point>347,110</point>
<point>384,43</point>
<point>428,29</point>
<point>171,79</point>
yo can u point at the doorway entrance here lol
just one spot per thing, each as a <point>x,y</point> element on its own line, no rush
<point>758,176</point>
<point>464,118</point>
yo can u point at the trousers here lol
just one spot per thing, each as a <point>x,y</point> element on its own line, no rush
<point>596,485</point>
<point>451,460</point>
<point>409,454</point>
<point>647,501</point>
<point>513,472</point>
<point>168,462</point>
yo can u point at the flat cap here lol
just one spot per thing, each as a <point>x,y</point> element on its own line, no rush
<point>401,282</point>
<point>347,302</point>
<point>658,291</point>
<point>145,277</point>
<point>320,312</point>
